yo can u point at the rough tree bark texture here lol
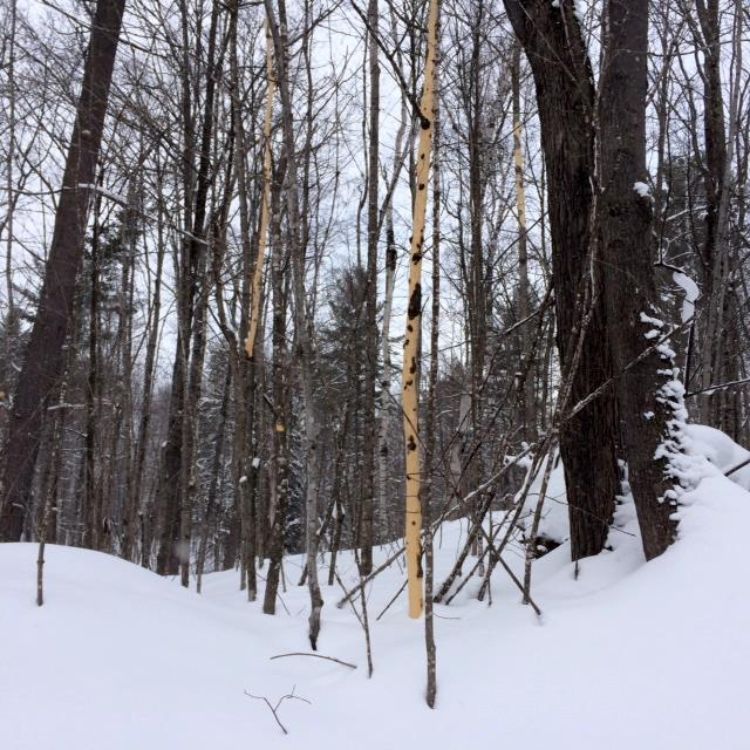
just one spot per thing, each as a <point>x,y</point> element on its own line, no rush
<point>302,320</point>
<point>174,489</point>
<point>526,391</point>
<point>279,490</point>
<point>718,325</point>
<point>44,357</point>
<point>391,257</point>
<point>410,375</point>
<point>553,42</point>
<point>371,295</point>
<point>650,426</point>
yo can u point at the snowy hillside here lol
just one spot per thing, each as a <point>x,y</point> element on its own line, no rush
<point>627,656</point>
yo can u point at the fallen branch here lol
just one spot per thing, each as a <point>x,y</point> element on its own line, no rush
<point>395,596</point>
<point>349,594</point>
<point>739,466</point>
<point>317,656</point>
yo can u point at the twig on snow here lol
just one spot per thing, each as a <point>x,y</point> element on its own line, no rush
<point>275,708</point>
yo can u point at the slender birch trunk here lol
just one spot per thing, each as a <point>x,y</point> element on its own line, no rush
<point>410,374</point>
<point>431,426</point>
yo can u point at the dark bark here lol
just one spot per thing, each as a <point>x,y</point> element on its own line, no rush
<point>279,500</point>
<point>553,42</point>
<point>140,508</point>
<point>173,489</point>
<point>371,292</point>
<point>624,223</point>
<point>92,501</point>
<point>44,358</point>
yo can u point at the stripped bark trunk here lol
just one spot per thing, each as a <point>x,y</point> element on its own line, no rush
<point>431,421</point>
<point>410,374</point>
<point>265,206</point>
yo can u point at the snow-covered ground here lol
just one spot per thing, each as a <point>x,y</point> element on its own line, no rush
<point>629,655</point>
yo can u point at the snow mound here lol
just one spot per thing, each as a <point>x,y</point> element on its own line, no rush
<point>627,654</point>
<point>720,450</point>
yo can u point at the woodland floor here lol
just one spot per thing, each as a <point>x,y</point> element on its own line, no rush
<point>630,655</point>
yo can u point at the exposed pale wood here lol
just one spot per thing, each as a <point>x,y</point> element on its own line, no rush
<point>410,375</point>
<point>265,208</point>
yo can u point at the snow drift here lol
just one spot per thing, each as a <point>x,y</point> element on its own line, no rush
<point>627,655</point>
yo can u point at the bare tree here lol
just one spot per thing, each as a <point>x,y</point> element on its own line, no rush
<point>44,357</point>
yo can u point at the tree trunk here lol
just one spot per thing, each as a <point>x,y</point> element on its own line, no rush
<point>174,488</point>
<point>553,42</point>
<point>265,206</point>
<point>525,376</point>
<point>371,296</point>
<point>303,326</point>
<point>649,393</point>
<point>279,491</point>
<point>410,374</point>
<point>44,357</point>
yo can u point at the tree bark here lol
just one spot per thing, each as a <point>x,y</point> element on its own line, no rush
<point>303,325</point>
<point>525,376</point>
<point>44,358</point>
<point>265,206</point>
<point>410,374</point>
<point>649,395</point>
<point>554,44</point>
<point>371,296</point>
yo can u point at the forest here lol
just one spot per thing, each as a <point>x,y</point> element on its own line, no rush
<point>324,283</point>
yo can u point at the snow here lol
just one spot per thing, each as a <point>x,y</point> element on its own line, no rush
<point>656,322</point>
<point>554,519</point>
<point>627,655</point>
<point>691,291</point>
<point>643,190</point>
<point>105,193</point>
<point>720,450</point>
